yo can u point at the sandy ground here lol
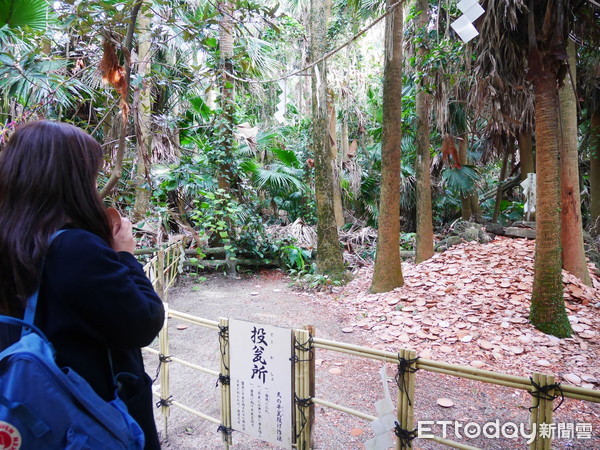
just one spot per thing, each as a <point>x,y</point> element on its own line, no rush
<point>342,379</point>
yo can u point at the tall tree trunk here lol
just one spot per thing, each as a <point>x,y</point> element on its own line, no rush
<point>526,157</point>
<point>466,210</point>
<point>595,166</point>
<point>387,273</point>
<point>335,170</point>
<point>573,256</point>
<point>143,115</point>
<point>548,312</point>
<point>506,150</point>
<point>424,234</point>
<point>227,95</point>
<point>344,142</point>
<point>223,154</point>
<point>329,253</point>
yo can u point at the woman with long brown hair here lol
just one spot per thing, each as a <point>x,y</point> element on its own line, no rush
<point>94,298</point>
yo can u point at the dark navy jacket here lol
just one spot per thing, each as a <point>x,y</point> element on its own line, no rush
<point>91,299</point>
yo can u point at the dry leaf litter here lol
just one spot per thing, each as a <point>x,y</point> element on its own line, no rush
<point>472,302</point>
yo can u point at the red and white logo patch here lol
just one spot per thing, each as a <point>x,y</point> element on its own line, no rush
<point>10,438</point>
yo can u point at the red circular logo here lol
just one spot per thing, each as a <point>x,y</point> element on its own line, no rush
<point>10,438</point>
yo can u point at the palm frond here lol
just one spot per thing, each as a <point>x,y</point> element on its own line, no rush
<point>276,179</point>
<point>259,58</point>
<point>24,14</point>
<point>287,157</point>
<point>462,180</point>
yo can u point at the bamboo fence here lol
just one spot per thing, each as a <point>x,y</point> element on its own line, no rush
<point>163,269</point>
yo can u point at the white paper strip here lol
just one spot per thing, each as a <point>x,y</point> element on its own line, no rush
<point>474,12</point>
<point>464,28</point>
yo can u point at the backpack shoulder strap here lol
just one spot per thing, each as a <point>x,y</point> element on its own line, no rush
<point>29,316</point>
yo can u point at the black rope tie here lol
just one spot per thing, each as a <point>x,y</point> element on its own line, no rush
<point>223,379</point>
<point>543,393</point>
<point>404,436</point>
<point>404,367</point>
<point>302,403</point>
<point>161,359</point>
<point>223,343</point>
<point>225,431</point>
<point>308,346</point>
<point>165,401</point>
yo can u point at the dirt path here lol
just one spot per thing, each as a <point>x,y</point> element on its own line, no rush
<point>346,380</point>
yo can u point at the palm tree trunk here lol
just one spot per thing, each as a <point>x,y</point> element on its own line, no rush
<point>506,150</point>
<point>143,110</point>
<point>387,273</point>
<point>573,256</point>
<point>335,170</point>
<point>548,312</point>
<point>595,166</point>
<point>227,93</point>
<point>329,254</point>
<point>525,140</point>
<point>424,234</point>
<point>466,211</point>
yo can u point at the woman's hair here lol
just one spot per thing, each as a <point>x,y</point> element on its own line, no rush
<point>47,180</point>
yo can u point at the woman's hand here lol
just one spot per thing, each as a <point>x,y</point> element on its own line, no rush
<point>123,240</point>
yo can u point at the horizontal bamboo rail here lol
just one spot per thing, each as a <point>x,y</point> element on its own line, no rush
<point>186,363</point>
<point>486,376</point>
<point>195,320</point>
<point>354,412</point>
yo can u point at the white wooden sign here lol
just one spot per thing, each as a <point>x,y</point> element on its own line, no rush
<point>261,381</point>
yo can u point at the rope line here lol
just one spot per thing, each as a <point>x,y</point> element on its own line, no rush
<point>223,343</point>
<point>404,367</point>
<point>161,359</point>
<point>405,437</point>
<point>543,393</point>
<point>307,346</point>
<point>225,431</point>
<point>165,402</point>
<point>223,379</point>
<point>302,404</point>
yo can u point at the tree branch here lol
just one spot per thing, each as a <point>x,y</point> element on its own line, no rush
<point>128,45</point>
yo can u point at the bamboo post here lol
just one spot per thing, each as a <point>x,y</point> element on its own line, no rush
<point>160,273</point>
<point>302,383</point>
<point>163,345</point>
<point>541,412</point>
<point>225,386</point>
<point>311,363</point>
<point>406,396</point>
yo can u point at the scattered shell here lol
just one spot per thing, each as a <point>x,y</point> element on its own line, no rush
<point>572,378</point>
<point>445,402</point>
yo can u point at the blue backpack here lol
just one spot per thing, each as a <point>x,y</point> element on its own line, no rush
<point>45,407</point>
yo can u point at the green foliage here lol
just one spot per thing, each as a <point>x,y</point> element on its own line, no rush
<point>217,216</point>
<point>24,14</point>
<point>462,181</point>
<point>407,241</point>
<point>511,211</point>
<point>295,258</point>
<point>315,281</point>
<point>35,81</point>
